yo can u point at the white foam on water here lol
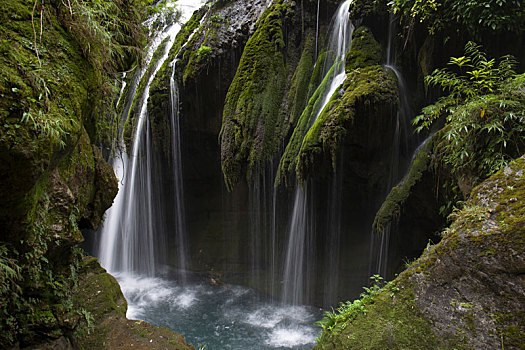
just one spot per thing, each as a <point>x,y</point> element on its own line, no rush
<point>184,300</point>
<point>291,336</point>
<point>261,318</point>
<point>270,316</point>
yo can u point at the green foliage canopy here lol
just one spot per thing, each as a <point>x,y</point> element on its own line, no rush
<point>476,16</point>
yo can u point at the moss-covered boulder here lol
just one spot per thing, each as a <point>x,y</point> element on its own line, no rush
<point>368,95</point>
<point>466,292</point>
<point>364,50</point>
<point>251,130</point>
<point>57,96</point>
<point>101,298</point>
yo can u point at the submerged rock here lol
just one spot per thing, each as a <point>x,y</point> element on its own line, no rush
<point>466,292</point>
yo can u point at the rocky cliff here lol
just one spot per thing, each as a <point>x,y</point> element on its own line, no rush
<point>466,292</point>
<point>58,64</point>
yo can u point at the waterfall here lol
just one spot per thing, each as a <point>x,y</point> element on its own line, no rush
<point>133,236</point>
<point>333,239</point>
<point>301,229</point>
<point>180,214</point>
<point>341,30</point>
<point>317,30</point>
<point>301,248</point>
<point>403,143</point>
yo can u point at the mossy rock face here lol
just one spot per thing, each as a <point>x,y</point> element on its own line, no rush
<point>300,89</point>
<point>56,90</point>
<point>364,50</point>
<point>251,130</point>
<point>399,194</point>
<point>466,292</point>
<point>391,321</point>
<point>368,95</point>
<point>100,295</point>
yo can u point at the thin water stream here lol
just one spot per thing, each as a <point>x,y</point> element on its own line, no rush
<point>300,249</point>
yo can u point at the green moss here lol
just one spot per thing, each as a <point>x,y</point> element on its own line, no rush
<point>299,91</point>
<point>366,91</point>
<point>288,161</point>
<point>393,204</point>
<point>250,133</point>
<point>367,88</point>
<point>317,77</point>
<point>364,50</point>
<point>207,36</point>
<point>50,110</point>
<point>99,292</point>
<point>389,321</point>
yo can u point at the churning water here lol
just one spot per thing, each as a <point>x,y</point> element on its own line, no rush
<point>220,317</point>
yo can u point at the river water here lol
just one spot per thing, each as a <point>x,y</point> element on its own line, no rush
<point>220,317</point>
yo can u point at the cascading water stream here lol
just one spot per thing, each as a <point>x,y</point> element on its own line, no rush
<point>317,30</point>
<point>403,144</point>
<point>180,213</point>
<point>302,225</point>
<point>132,237</point>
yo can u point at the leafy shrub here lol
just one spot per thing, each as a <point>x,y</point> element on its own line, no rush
<point>336,321</point>
<point>474,15</point>
<point>484,112</point>
<point>203,52</point>
<point>10,277</point>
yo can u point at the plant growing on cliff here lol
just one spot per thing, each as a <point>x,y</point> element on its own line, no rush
<point>476,16</point>
<point>203,52</point>
<point>10,278</point>
<point>484,113</point>
<point>336,321</point>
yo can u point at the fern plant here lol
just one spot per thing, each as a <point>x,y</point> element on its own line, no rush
<point>337,320</point>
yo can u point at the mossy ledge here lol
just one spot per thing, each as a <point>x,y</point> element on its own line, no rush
<point>393,204</point>
<point>368,88</point>
<point>100,293</point>
<point>250,125</point>
<point>466,292</point>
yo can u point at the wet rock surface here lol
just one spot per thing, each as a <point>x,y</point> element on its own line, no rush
<point>466,292</point>
<point>100,293</point>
